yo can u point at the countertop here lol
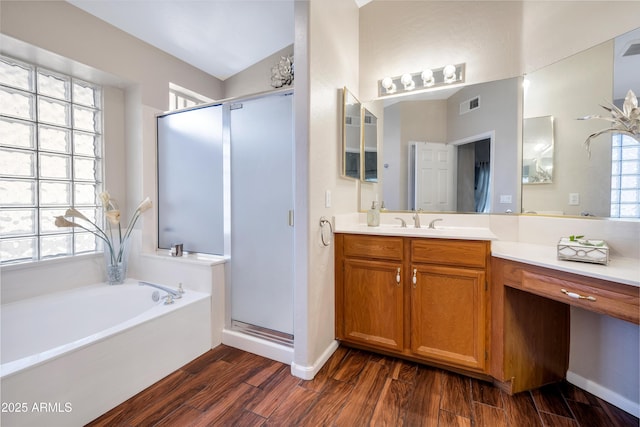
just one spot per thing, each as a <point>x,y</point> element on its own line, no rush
<point>620,270</point>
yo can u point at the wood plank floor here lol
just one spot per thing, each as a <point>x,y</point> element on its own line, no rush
<point>229,387</point>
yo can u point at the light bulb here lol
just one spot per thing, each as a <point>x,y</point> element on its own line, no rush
<point>449,73</point>
<point>427,78</point>
<point>407,81</point>
<point>388,85</point>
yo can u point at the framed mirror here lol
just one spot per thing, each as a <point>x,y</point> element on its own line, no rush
<point>537,150</point>
<point>351,135</point>
<point>370,145</point>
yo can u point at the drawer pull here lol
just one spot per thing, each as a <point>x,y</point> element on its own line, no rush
<point>577,296</point>
<point>414,279</point>
<point>398,277</point>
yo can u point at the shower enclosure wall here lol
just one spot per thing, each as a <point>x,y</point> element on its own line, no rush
<point>225,187</point>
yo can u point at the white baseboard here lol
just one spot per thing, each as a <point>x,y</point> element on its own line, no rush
<point>604,393</point>
<point>261,347</point>
<point>308,372</point>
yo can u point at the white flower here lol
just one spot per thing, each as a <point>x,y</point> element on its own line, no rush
<point>112,214</point>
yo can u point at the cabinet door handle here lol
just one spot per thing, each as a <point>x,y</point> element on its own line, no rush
<point>414,279</point>
<point>577,296</point>
<point>398,277</point>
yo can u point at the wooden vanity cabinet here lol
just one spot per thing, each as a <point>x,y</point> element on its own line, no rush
<point>439,318</point>
<point>370,295</point>
<point>448,301</point>
<point>531,319</point>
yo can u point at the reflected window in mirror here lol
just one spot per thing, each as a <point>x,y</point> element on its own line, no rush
<point>370,137</point>
<point>625,177</point>
<point>351,136</point>
<point>537,150</point>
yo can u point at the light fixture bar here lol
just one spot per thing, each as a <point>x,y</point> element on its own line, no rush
<point>422,80</point>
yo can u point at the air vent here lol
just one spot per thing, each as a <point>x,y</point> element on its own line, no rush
<point>470,105</point>
<point>634,49</point>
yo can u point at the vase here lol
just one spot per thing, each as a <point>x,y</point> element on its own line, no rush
<point>116,273</point>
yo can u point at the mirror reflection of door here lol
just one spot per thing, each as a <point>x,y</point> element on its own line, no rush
<point>432,180</point>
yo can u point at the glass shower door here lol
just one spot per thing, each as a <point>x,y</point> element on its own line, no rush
<point>262,257</point>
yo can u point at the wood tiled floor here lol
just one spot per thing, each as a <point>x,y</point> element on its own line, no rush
<point>229,387</point>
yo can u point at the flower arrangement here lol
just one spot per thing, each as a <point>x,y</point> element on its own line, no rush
<point>115,240</point>
<point>625,121</point>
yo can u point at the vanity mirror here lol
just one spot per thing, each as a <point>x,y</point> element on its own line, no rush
<point>351,135</point>
<point>572,88</point>
<point>370,145</point>
<point>474,128</point>
<point>537,150</point>
<point>607,184</point>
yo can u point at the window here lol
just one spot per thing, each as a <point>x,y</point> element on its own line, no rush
<point>180,97</point>
<point>625,177</point>
<point>50,160</point>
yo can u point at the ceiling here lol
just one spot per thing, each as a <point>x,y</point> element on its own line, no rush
<point>220,37</point>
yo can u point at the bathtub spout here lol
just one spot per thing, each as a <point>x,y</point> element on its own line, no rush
<point>174,294</point>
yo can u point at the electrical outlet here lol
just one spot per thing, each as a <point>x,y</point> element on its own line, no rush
<point>505,198</point>
<point>574,199</point>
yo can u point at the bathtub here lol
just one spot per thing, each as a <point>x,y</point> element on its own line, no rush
<point>68,357</point>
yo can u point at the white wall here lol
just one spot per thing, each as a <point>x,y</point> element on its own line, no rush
<point>333,63</point>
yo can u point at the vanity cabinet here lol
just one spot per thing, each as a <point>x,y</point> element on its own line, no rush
<point>418,298</point>
<point>531,319</point>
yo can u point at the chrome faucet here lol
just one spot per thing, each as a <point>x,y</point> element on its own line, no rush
<point>416,218</point>
<point>172,293</point>
<point>403,223</point>
<point>432,224</point>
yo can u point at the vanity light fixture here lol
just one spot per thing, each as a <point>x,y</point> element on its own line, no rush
<point>427,79</point>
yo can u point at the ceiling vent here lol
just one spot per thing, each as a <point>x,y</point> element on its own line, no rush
<point>470,105</point>
<point>634,49</point>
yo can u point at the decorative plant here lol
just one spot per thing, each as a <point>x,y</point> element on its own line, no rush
<point>625,121</point>
<point>112,213</point>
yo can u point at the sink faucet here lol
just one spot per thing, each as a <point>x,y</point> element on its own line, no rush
<point>403,223</point>
<point>416,218</point>
<point>432,224</point>
<point>174,294</point>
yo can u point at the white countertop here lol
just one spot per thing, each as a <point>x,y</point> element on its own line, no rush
<point>621,270</point>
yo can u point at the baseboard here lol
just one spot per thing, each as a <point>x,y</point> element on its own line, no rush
<point>604,393</point>
<point>308,372</point>
<point>255,345</point>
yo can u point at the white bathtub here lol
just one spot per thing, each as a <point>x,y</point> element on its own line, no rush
<point>70,356</point>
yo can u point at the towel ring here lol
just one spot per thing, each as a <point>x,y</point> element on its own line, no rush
<point>323,222</point>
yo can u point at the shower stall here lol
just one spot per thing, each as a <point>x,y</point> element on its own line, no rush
<point>226,187</point>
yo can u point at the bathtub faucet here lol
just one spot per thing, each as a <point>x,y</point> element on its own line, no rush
<point>174,294</point>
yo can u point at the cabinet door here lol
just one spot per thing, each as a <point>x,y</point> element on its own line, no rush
<point>448,315</point>
<point>372,299</point>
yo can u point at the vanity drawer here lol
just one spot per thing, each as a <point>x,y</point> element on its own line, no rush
<point>614,299</point>
<point>466,253</point>
<point>388,248</point>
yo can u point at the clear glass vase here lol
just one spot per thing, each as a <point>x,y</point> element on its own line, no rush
<point>116,270</point>
<point>116,273</point>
